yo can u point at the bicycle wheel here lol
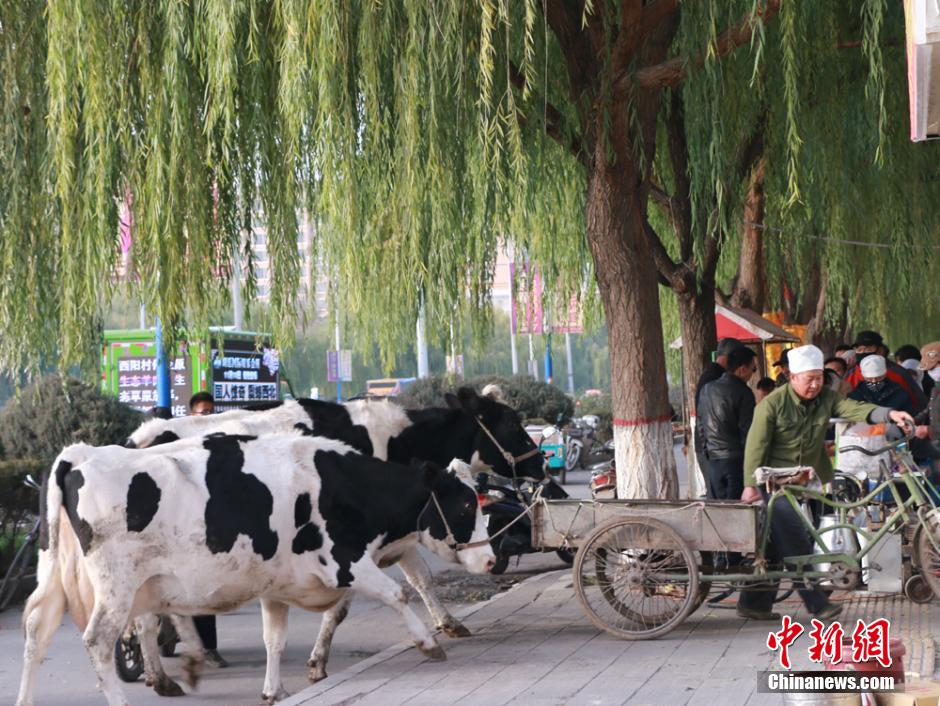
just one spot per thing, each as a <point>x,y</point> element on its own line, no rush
<point>926,556</point>
<point>636,578</point>
<point>22,569</point>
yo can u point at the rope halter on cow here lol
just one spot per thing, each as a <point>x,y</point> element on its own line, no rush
<point>512,460</point>
<point>452,542</point>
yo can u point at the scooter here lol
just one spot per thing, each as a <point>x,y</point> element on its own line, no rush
<point>500,506</point>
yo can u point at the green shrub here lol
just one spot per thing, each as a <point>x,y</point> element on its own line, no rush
<point>601,406</point>
<point>529,397</point>
<point>18,503</point>
<point>55,412</point>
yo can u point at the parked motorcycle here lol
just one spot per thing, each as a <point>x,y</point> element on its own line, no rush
<point>501,505</point>
<point>582,448</point>
<point>604,481</point>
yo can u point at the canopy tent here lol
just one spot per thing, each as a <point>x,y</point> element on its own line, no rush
<point>746,326</point>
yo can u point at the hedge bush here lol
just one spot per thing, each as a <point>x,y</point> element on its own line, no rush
<point>600,405</point>
<point>55,412</point>
<point>526,395</point>
<point>18,503</point>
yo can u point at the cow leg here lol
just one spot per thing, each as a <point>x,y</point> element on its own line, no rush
<point>106,625</point>
<point>148,626</point>
<point>419,576</point>
<point>193,652</point>
<point>39,624</point>
<point>370,579</point>
<point>321,651</point>
<point>274,619</point>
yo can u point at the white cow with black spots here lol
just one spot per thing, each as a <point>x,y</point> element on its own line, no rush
<point>204,525</point>
<point>476,429</point>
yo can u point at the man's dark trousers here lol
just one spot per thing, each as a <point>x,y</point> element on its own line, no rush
<point>788,537</point>
<point>726,478</point>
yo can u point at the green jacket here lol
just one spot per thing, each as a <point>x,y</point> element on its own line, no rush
<point>788,431</point>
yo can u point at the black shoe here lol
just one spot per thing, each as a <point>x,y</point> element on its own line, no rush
<point>828,611</point>
<point>214,659</point>
<point>751,614</point>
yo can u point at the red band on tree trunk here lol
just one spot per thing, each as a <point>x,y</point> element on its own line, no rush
<point>641,421</point>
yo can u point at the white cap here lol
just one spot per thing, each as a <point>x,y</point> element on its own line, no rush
<point>873,366</point>
<point>848,356</point>
<point>910,363</point>
<point>805,358</point>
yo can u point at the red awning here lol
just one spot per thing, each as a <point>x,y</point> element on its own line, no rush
<point>746,326</point>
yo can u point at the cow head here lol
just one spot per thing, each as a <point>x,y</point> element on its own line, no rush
<point>497,430</point>
<point>452,518</point>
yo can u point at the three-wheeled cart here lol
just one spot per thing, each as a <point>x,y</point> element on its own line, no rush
<point>644,565</point>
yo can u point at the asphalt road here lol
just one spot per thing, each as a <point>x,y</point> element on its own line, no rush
<point>66,677</point>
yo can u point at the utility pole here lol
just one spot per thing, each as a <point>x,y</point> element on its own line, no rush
<point>570,363</point>
<point>162,409</point>
<point>237,313</point>
<point>422,341</point>
<point>339,365</point>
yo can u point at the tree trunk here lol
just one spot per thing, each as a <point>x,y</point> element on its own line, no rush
<point>626,277</point>
<point>749,285</point>
<point>699,336</point>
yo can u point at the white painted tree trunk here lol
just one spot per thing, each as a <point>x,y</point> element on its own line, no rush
<point>646,467</point>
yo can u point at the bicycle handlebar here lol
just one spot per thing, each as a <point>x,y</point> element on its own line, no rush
<point>875,452</point>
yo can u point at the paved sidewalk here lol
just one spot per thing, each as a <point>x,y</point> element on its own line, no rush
<point>533,645</point>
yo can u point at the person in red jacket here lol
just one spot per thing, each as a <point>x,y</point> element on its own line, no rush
<point>869,342</point>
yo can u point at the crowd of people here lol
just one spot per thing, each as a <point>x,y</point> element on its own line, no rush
<point>783,423</point>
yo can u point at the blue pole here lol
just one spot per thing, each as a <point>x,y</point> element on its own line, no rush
<point>163,372</point>
<point>548,359</point>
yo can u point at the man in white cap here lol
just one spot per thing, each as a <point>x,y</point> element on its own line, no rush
<point>788,430</point>
<point>877,388</point>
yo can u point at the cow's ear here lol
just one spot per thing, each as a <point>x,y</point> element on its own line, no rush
<point>469,400</point>
<point>431,474</point>
<point>452,402</point>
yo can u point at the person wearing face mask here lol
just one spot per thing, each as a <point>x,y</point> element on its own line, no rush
<point>877,388</point>
<point>908,357</point>
<point>928,421</point>
<point>870,343</point>
<point>788,430</point>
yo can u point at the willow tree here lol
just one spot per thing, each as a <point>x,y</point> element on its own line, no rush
<point>415,134</point>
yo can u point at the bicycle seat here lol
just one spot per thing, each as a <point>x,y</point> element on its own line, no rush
<point>795,475</point>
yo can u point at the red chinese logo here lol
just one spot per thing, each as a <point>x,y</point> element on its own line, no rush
<point>827,643</point>
<point>871,642</point>
<point>782,640</point>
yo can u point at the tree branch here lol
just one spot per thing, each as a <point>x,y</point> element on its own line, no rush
<point>553,119</point>
<point>665,267</point>
<point>679,160</point>
<point>673,71</point>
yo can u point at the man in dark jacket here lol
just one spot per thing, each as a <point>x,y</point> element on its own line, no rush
<point>713,371</point>
<point>725,412</point>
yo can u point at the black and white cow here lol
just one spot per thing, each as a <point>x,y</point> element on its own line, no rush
<point>204,525</point>
<point>473,428</point>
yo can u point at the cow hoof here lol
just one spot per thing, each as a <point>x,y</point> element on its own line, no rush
<point>317,671</point>
<point>192,670</point>
<point>436,652</point>
<point>164,686</point>
<point>455,630</point>
<point>270,700</point>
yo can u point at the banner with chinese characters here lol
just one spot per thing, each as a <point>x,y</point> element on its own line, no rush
<point>242,375</point>
<point>136,376</point>
<point>527,312</point>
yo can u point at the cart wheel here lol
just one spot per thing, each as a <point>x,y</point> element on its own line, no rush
<point>127,658</point>
<point>926,557</point>
<point>918,590</point>
<point>636,578</point>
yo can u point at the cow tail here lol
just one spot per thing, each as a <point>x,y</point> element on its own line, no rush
<point>48,575</point>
